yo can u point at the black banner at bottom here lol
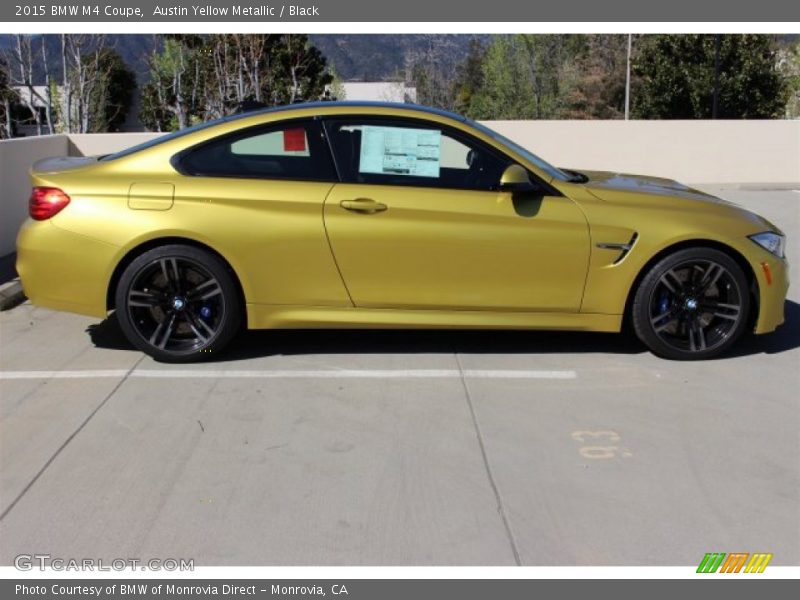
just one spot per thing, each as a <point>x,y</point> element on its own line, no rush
<point>732,588</point>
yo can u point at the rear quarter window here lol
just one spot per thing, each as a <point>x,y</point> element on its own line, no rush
<point>293,150</point>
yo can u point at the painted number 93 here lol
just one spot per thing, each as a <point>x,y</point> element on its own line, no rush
<point>600,444</point>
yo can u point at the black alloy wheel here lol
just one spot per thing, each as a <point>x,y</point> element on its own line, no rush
<point>178,303</point>
<point>693,304</point>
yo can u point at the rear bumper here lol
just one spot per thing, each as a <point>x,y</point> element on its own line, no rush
<point>63,270</point>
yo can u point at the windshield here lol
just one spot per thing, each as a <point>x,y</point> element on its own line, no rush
<point>545,166</point>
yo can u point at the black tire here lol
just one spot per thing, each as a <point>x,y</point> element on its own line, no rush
<point>691,305</point>
<point>178,303</point>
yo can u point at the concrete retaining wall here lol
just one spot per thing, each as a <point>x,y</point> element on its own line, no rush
<point>688,151</point>
<point>90,144</point>
<point>728,152</point>
<point>16,158</point>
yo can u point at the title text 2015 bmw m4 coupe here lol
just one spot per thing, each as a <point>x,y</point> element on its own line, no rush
<point>379,215</point>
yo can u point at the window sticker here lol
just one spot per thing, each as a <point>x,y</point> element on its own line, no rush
<point>400,151</point>
<point>294,140</point>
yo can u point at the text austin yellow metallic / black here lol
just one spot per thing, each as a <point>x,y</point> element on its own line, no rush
<point>379,215</point>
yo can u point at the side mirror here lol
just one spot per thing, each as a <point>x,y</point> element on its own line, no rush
<point>515,179</point>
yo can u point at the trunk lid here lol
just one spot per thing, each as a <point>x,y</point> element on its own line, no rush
<point>60,164</point>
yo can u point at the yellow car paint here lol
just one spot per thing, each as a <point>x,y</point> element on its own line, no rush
<point>434,258</point>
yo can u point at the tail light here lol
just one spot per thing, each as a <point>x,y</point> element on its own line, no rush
<point>46,202</point>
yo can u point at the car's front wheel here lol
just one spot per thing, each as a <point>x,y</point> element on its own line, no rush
<point>178,303</point>
<point>691,305</point>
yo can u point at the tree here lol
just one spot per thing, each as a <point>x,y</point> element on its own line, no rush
<point>336,87</point>
<point>177,80</point>
<point>431,70</point>
<point>7,98</point>
<point>239,70</point>
<point>153,114</point>
<point>91,92</point>
<point>469,76</point>
<point>66,100</point>
<point>300,71</point>
<point>96,87</point>
<point>21,63</point>
<point>678,77</point>
<point>173,96</point>
<point>48,88</point>
<point>506,91</point>
<point>789,67</point>
<point>527,77</point>
<point>112,97</point>
<point>599,73</point>
<point>193,78</point>
<point>83,78</point>
<point>551,60</point>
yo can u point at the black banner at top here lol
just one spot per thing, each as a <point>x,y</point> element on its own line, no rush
<point>467,11</point>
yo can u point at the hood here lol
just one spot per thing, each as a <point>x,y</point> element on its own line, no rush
<point>605,181</point>
<point>657,191</point>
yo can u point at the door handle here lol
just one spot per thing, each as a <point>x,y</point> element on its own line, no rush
<point>363,205</point>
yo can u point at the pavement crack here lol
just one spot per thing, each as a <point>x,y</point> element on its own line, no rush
<point>68,440</point>
<point>500,507</point>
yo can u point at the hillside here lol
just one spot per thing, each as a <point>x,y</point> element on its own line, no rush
<point>355,57</point>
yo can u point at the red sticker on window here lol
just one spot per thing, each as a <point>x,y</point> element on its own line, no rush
<point>294,140</point>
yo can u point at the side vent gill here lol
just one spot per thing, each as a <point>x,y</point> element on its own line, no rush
<point>623,248</point>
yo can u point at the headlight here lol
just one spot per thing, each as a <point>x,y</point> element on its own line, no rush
<point>771,242</point>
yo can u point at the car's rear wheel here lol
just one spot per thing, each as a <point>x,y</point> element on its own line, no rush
<point>691,305</point>
<point>178,303</point>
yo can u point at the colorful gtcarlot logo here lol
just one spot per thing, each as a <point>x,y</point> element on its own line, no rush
<point>736,562</point>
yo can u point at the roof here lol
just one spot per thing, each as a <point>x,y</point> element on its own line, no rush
<point>352,104</point>
<point>37,96</point>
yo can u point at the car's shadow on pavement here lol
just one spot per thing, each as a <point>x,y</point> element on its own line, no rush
<point>254,344</point>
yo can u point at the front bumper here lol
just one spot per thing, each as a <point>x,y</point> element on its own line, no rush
<point>772,276</point>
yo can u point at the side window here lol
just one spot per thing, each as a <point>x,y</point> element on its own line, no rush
<point>277,144</point>
<point>292,150</point>
<point>412,153</point>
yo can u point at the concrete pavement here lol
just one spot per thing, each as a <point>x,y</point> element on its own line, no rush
<point>494,457</point>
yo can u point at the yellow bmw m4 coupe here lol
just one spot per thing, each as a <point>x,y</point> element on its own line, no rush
<point>375,215</point>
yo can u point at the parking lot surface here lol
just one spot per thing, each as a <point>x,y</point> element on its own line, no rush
<point>401,448</point>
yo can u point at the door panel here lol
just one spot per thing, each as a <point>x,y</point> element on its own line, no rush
<point>434,248</point>
<point>271,231</point>
<point>262,191</point>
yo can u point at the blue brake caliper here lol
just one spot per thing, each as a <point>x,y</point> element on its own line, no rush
<point>663,303</point>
